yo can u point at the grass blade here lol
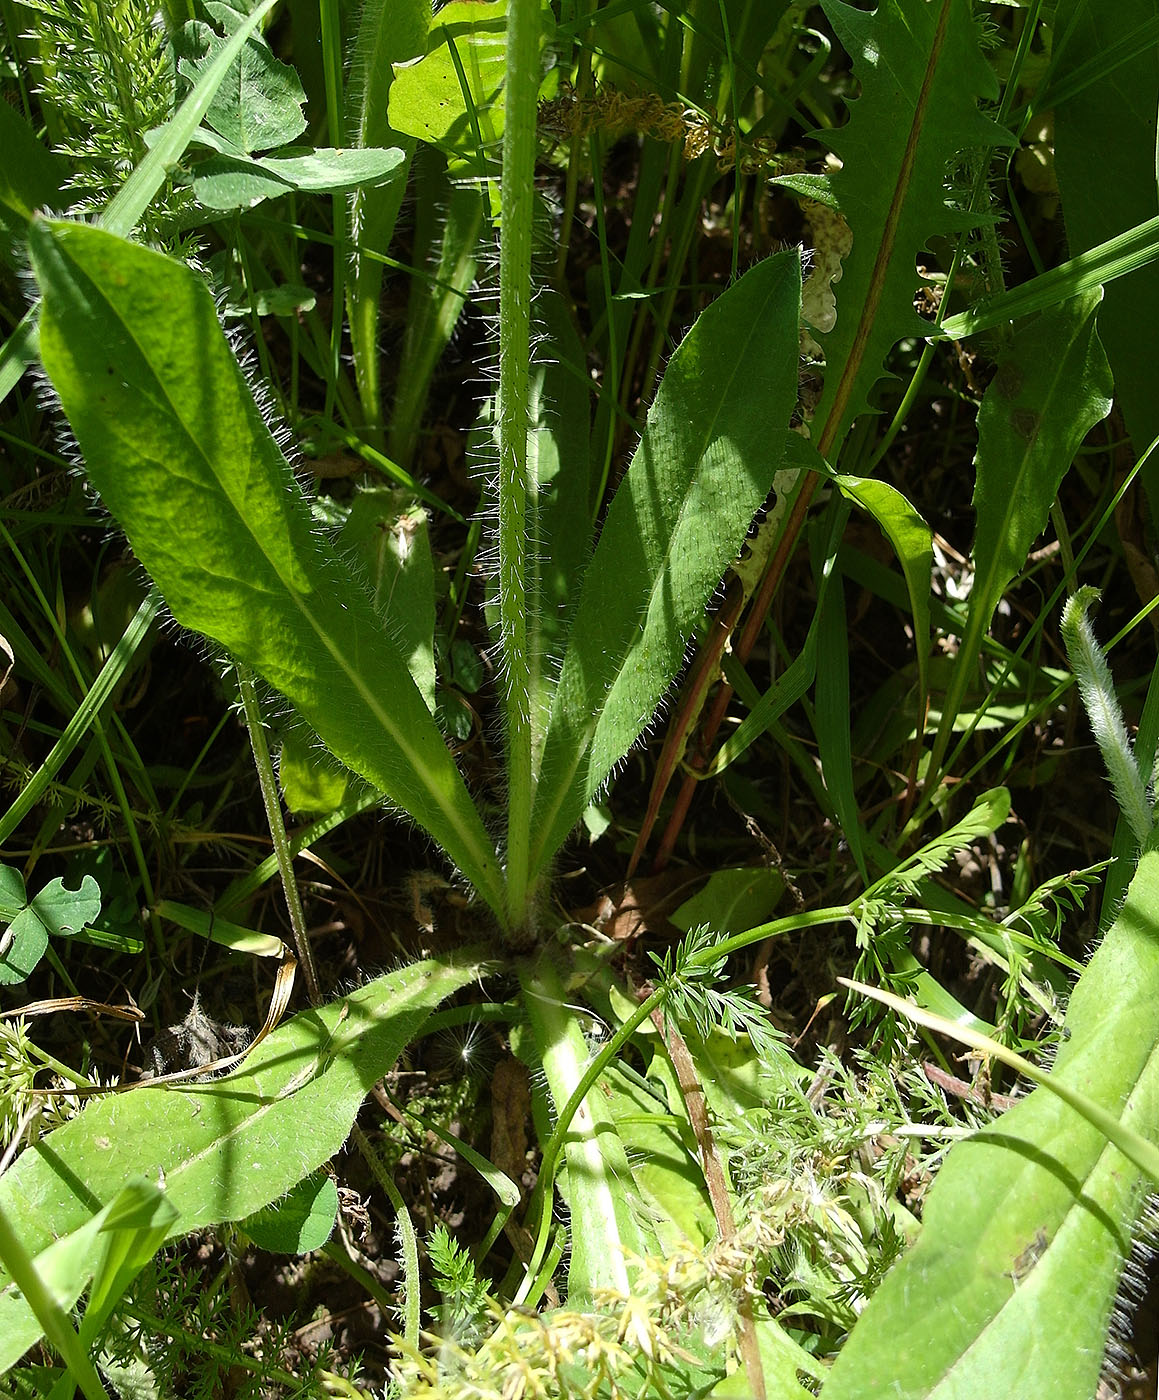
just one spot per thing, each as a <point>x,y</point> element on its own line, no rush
<point>1125,253</point>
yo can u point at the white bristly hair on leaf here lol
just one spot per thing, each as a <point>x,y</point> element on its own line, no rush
<point>1097,688</point>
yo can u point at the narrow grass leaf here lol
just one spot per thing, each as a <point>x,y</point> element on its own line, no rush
<point>831,716</point>
<point>1029,1223</point>
<point>912,542</point>
<point>1126,253</point>
<point>386,35</point>
<point>1104,159</point>
<point>84,714</point>
<point>448,222</point>
<point>177,447</point>
<point>1053,385</point>
<point>704,466</point>
<point>225,1149</point>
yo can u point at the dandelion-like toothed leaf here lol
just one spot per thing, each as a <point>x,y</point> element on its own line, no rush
<point>1103,146</point>
<point>1053,385</point>
<point>177,447</point>
<point>922,74</point>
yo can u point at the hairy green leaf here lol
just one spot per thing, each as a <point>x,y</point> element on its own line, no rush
<point>225,1149</point>
<point>702,470</point>
<point>236,182</point>
<point>177,447</point>
<point>387,533</point>
<point>1029,1222</point>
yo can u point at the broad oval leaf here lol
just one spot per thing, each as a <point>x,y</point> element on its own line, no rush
<point>1029,1222</point>
<point>704,466</point>
<point>303,1220</point>
<point>225,1149</point>
<point>259,105</point>
<point>177,447</point>
<point>237,182</point>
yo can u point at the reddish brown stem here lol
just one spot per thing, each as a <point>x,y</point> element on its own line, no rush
<point>773,574</point>
<point>693,1094</point>
<point>827,442</point>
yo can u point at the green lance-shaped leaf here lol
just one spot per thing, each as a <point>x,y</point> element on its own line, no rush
<point>713,441</point>
<point>177,448</point>
<point>1053,385</point>
<point>224,1150</point>
<point>1029,1222</point>
<point>386,35</point>
<point>922,74</point>
<point>912,542</point>
<point>1104,74</point>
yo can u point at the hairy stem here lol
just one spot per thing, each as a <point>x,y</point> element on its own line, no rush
<point>517,190</point>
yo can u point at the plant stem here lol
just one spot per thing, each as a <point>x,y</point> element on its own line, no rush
<point>412,1301</point>
<point>517,189</point>
<point>52,1317</point>
<point>282,852</point>
<point>582,1132</point>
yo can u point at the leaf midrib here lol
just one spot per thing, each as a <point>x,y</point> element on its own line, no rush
<point>483,860</point>
<point>587,730</point>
